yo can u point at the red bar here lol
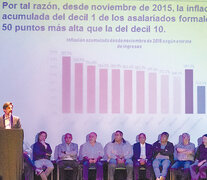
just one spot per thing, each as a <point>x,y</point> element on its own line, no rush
<point>66,84</point>
<point>177,95</point>
<point>91,91</point>
<point>128,91</point>
<point>152,93</point>
<point>79,88</point>
<point>140,100</point>
<point>164,93</point>
<point>115,91</point>
<point>103,91</point>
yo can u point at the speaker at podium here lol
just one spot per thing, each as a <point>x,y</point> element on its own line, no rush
<point>11,149</point>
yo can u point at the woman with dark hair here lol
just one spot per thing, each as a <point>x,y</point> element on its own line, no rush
<point>41,156</point>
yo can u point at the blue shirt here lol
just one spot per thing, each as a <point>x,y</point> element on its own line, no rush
<point>123,149</point>
<point>182,156</point>
<point>66,152</point>
<point>92,151</point>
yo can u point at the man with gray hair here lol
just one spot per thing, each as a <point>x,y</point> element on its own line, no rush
<point>185,152</point>
<point>92,153</point>
<point>66,155</point>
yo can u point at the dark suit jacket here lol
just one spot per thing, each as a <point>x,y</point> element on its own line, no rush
<point>137,152</point>
<point>14,124</point>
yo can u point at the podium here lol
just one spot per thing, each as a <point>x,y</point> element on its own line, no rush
<point>11,149</point>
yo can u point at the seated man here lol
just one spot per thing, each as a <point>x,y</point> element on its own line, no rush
<point>163,156</point>
<point>119,153</point>
<point>67,156</point>
<point>185,157</point>
<point>92,153</point>
<point>41,156</point>
<point>198,169</point>
<point>142,157</point>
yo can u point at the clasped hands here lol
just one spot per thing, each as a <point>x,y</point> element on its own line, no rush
<point>120,159</point>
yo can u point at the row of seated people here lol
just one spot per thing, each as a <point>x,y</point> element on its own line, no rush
<point>157,159</point>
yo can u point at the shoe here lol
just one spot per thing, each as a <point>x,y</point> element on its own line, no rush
<point>38,172</point>
<point>162,178</point>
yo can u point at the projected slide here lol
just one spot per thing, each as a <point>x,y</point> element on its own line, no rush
<point>81,66</point>
<point>102,85</point>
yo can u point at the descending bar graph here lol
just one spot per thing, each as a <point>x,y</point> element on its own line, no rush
<point>96,89</point>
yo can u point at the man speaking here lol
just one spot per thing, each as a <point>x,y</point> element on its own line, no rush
<point>8,121</point>
<point>11,139</point>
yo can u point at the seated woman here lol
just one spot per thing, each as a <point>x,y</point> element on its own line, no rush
<point>41,156</point>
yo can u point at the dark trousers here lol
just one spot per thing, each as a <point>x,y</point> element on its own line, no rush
<point>29,168</point>
<point>113,164</point>
<point>197,172</point>
<point>68,163</point>
<point>147,166</point>
<point>99,169</point>
<point>29,161</point>
<point>181,168</point>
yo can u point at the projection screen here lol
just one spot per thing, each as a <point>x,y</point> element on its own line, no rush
<point>80,66</point>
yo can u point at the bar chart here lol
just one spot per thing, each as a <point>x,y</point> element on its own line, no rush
<point>93,88</point>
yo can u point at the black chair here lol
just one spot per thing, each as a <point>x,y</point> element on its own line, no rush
<point>65,169</point>
<point>120,173</point>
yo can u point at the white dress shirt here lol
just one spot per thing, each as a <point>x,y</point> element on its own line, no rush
<point>143,151</point>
